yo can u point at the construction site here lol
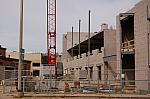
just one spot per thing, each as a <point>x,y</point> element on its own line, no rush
<point>109,63</point>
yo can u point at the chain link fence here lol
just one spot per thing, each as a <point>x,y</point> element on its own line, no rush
<point>129,82</point>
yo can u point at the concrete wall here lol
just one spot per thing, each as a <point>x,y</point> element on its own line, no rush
<point>109,42</point>
<point>65,54</point>
<point>81,63</point>
<point>35,58</point>
<point>141,30</point>
<point>110,54</point>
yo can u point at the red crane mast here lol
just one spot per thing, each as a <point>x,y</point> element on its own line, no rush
<point>51,34</point>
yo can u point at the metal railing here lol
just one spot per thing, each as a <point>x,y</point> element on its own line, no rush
<point>128,44</point>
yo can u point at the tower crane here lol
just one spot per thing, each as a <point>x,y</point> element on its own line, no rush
<point>51,34</point>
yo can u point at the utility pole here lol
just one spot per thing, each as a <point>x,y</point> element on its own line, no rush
<point>20,93</point>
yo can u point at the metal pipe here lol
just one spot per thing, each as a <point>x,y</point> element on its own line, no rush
<point>148,62</point>
<point>89,32</point>
<point>88,72</point>
<point>148,36</point>
<point>72,42</point>
<point>55,42</point>
<point>79,40</point>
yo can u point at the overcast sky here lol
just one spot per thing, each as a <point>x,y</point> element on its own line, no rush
<point>68,14</point>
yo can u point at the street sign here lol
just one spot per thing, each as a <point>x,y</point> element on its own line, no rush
<point>22,55</point>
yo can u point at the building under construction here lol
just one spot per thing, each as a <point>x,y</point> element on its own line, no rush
<point>133,28</point>
<point>94,64</point>
<point>118,56</point>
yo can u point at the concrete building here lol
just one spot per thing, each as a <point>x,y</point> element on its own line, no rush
<point>133,28</point>
<point>35,59</point>
<point>39,64</point>
<point>9,66</point>
<point>122,55</point>
<point>99,63</point>
<point>36,66</point>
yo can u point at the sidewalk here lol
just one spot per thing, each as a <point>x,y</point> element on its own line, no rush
<point>2,96</point>
<point>86,96</point>
<point>78,96</point>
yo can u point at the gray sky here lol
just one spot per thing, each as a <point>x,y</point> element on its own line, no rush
<point>68,14</point>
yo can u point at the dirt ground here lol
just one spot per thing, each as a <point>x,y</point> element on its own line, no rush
<point>77,96</point>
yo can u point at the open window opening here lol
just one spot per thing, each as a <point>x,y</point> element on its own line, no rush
<point>128,68</point>
<point>36,72</point>
<point>127,27</point>
<point>128,55</point>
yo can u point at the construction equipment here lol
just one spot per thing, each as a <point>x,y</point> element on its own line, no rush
<point>51,34</point>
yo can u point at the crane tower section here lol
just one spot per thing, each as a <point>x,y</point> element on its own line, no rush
<point>51,33</point>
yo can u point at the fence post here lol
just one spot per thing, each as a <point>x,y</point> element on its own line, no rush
<point>23,84</point>
<point>109,86</point>
<point>3,84</point>
<point>3,81</point>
